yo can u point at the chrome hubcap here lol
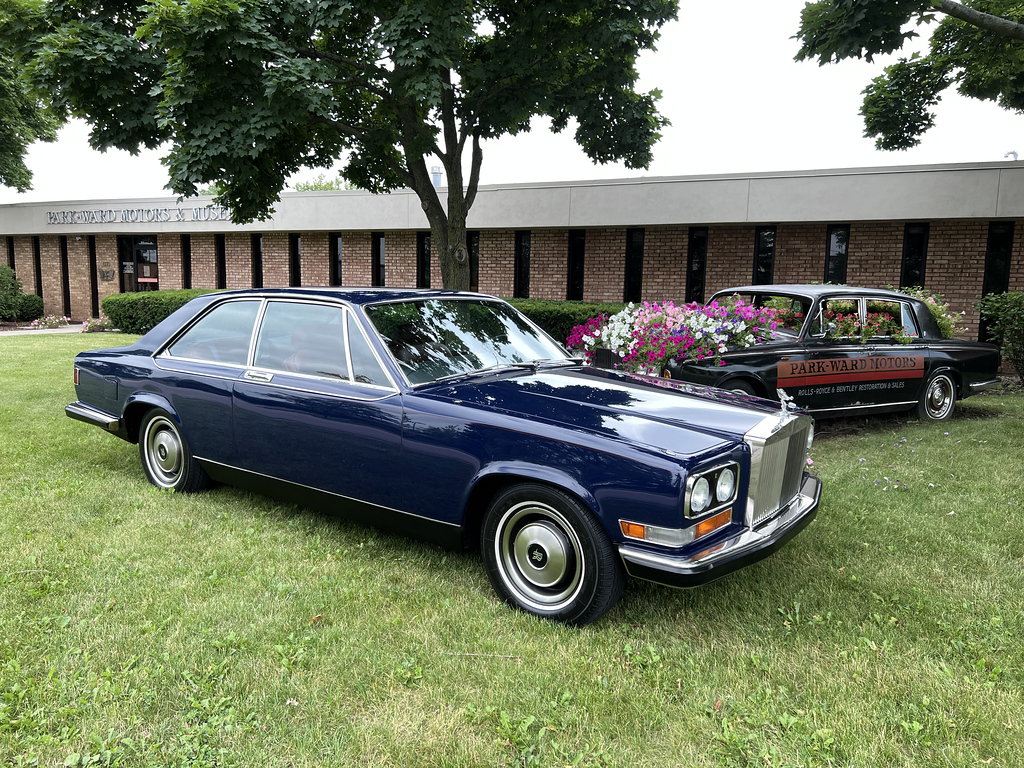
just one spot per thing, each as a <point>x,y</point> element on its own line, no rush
<point>163,450</point>
<point>539,555</point>
<point>940,397</point>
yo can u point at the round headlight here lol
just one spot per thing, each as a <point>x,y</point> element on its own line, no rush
<point>726,485</point>
<point>700,496</point>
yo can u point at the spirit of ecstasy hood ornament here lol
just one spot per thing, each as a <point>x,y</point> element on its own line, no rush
<point>786,400</point>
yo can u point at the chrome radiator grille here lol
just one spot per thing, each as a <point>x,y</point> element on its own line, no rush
<point>778,454</point>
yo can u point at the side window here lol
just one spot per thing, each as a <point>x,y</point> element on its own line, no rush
<point>889,318</point>
<point>365,367</point>
<point>221,336</point>
<point>837,318</point>
<point>303,338</point>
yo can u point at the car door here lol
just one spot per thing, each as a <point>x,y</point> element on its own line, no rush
<point>899,356</point>
<point>827,373</point>
<point>199,368</point>
<point>312,413</point>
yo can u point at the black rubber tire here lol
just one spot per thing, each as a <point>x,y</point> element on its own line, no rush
<point>938,398</point>
<point>739,387</point>
<point>547,555</point>
<point>166,457</point>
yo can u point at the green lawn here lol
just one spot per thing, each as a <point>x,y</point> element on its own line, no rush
<point>144,628</point>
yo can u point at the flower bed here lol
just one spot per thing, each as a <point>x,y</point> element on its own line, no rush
<point>646,336</point>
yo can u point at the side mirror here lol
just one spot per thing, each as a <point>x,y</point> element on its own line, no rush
<point>830,329</point>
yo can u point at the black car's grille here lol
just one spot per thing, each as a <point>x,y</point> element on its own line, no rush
<point>777,465</point>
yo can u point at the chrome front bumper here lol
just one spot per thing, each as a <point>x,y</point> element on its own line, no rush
<point>718,560</point>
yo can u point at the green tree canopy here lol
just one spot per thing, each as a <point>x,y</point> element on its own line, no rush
<point>23,119</point>
<point>247,92</point>
<point>976,46</point>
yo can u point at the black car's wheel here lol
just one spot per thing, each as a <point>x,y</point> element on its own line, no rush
<point>166,457</point>
<point>547,555</point>
<point>938,398</point>
<point>740,387</point>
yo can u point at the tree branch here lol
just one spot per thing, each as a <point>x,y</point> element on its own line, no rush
<point>997,25</point>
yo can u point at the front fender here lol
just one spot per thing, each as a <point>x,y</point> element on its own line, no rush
<point>525,471</point>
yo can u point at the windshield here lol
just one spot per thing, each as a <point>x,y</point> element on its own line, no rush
<point>434,339</point>
<point>790,312</point>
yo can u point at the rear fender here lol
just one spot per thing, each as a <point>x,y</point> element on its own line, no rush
<point>135,408</point>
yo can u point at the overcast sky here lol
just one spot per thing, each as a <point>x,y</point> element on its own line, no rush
<point>737,101</point>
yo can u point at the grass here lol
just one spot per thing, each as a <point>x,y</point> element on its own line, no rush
<point>143,628</point>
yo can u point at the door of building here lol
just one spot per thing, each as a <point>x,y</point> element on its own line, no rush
<point>138,258</point>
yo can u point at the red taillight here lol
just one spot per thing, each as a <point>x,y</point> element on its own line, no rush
<point>76,375</point>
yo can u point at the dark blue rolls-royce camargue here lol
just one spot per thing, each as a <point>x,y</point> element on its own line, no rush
<point>451,417</point>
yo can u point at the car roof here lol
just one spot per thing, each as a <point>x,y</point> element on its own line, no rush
<point>356,295</point>
<point>816,290</point>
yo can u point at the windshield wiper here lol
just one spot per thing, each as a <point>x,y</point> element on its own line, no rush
<point>478,371</point>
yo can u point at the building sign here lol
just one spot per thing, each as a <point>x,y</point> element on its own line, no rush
<point>140,215</point>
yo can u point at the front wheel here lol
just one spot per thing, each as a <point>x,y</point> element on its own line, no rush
<point>547,555</point>
<point>166,458</point>
<point>938,398</point>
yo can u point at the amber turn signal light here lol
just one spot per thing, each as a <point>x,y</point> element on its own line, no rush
<point>635,530</point>
<point>712,524</point>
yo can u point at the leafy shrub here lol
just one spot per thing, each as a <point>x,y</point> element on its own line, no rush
<point>10,292</point>
<point>97,324</point>
<point>50,321</point>
<point>139,312</point>
<point>1004,313</point>
<point>30,306</point>
<point>558,318</point>
<point>945,317</point>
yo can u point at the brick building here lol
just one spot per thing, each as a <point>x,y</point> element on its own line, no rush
<point>956,229</point>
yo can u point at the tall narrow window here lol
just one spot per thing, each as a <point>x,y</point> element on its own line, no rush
<point>65,277</point>
<point>256,247</point>
<point>473,248</point>
<point>294,259</point>
<point>634,264</point>
<point>94,287</point>
<point>422,259</point>
<point>377,256</point>
<point>37,259</point>
<point>10,253</point>
<point>997,265</point>
<point>334,246</point>
<point>220,257</point>
<point>837,243</point>
<point>764,255</point>
<point>186,261</point>
<point>696,264</point>
<point>521,270</point>
<point>915,254</point>
<point>577,251</point>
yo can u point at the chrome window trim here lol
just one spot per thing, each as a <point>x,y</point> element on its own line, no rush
<point>162,350</point>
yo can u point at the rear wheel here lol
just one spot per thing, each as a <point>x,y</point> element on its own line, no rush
<point>938,398</point>
<point>547,555</point>
<point>166,457</point>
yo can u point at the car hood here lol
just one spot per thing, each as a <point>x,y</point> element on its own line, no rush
<point>683,418</point>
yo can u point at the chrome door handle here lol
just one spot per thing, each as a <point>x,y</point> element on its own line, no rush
<point>258,376</point>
